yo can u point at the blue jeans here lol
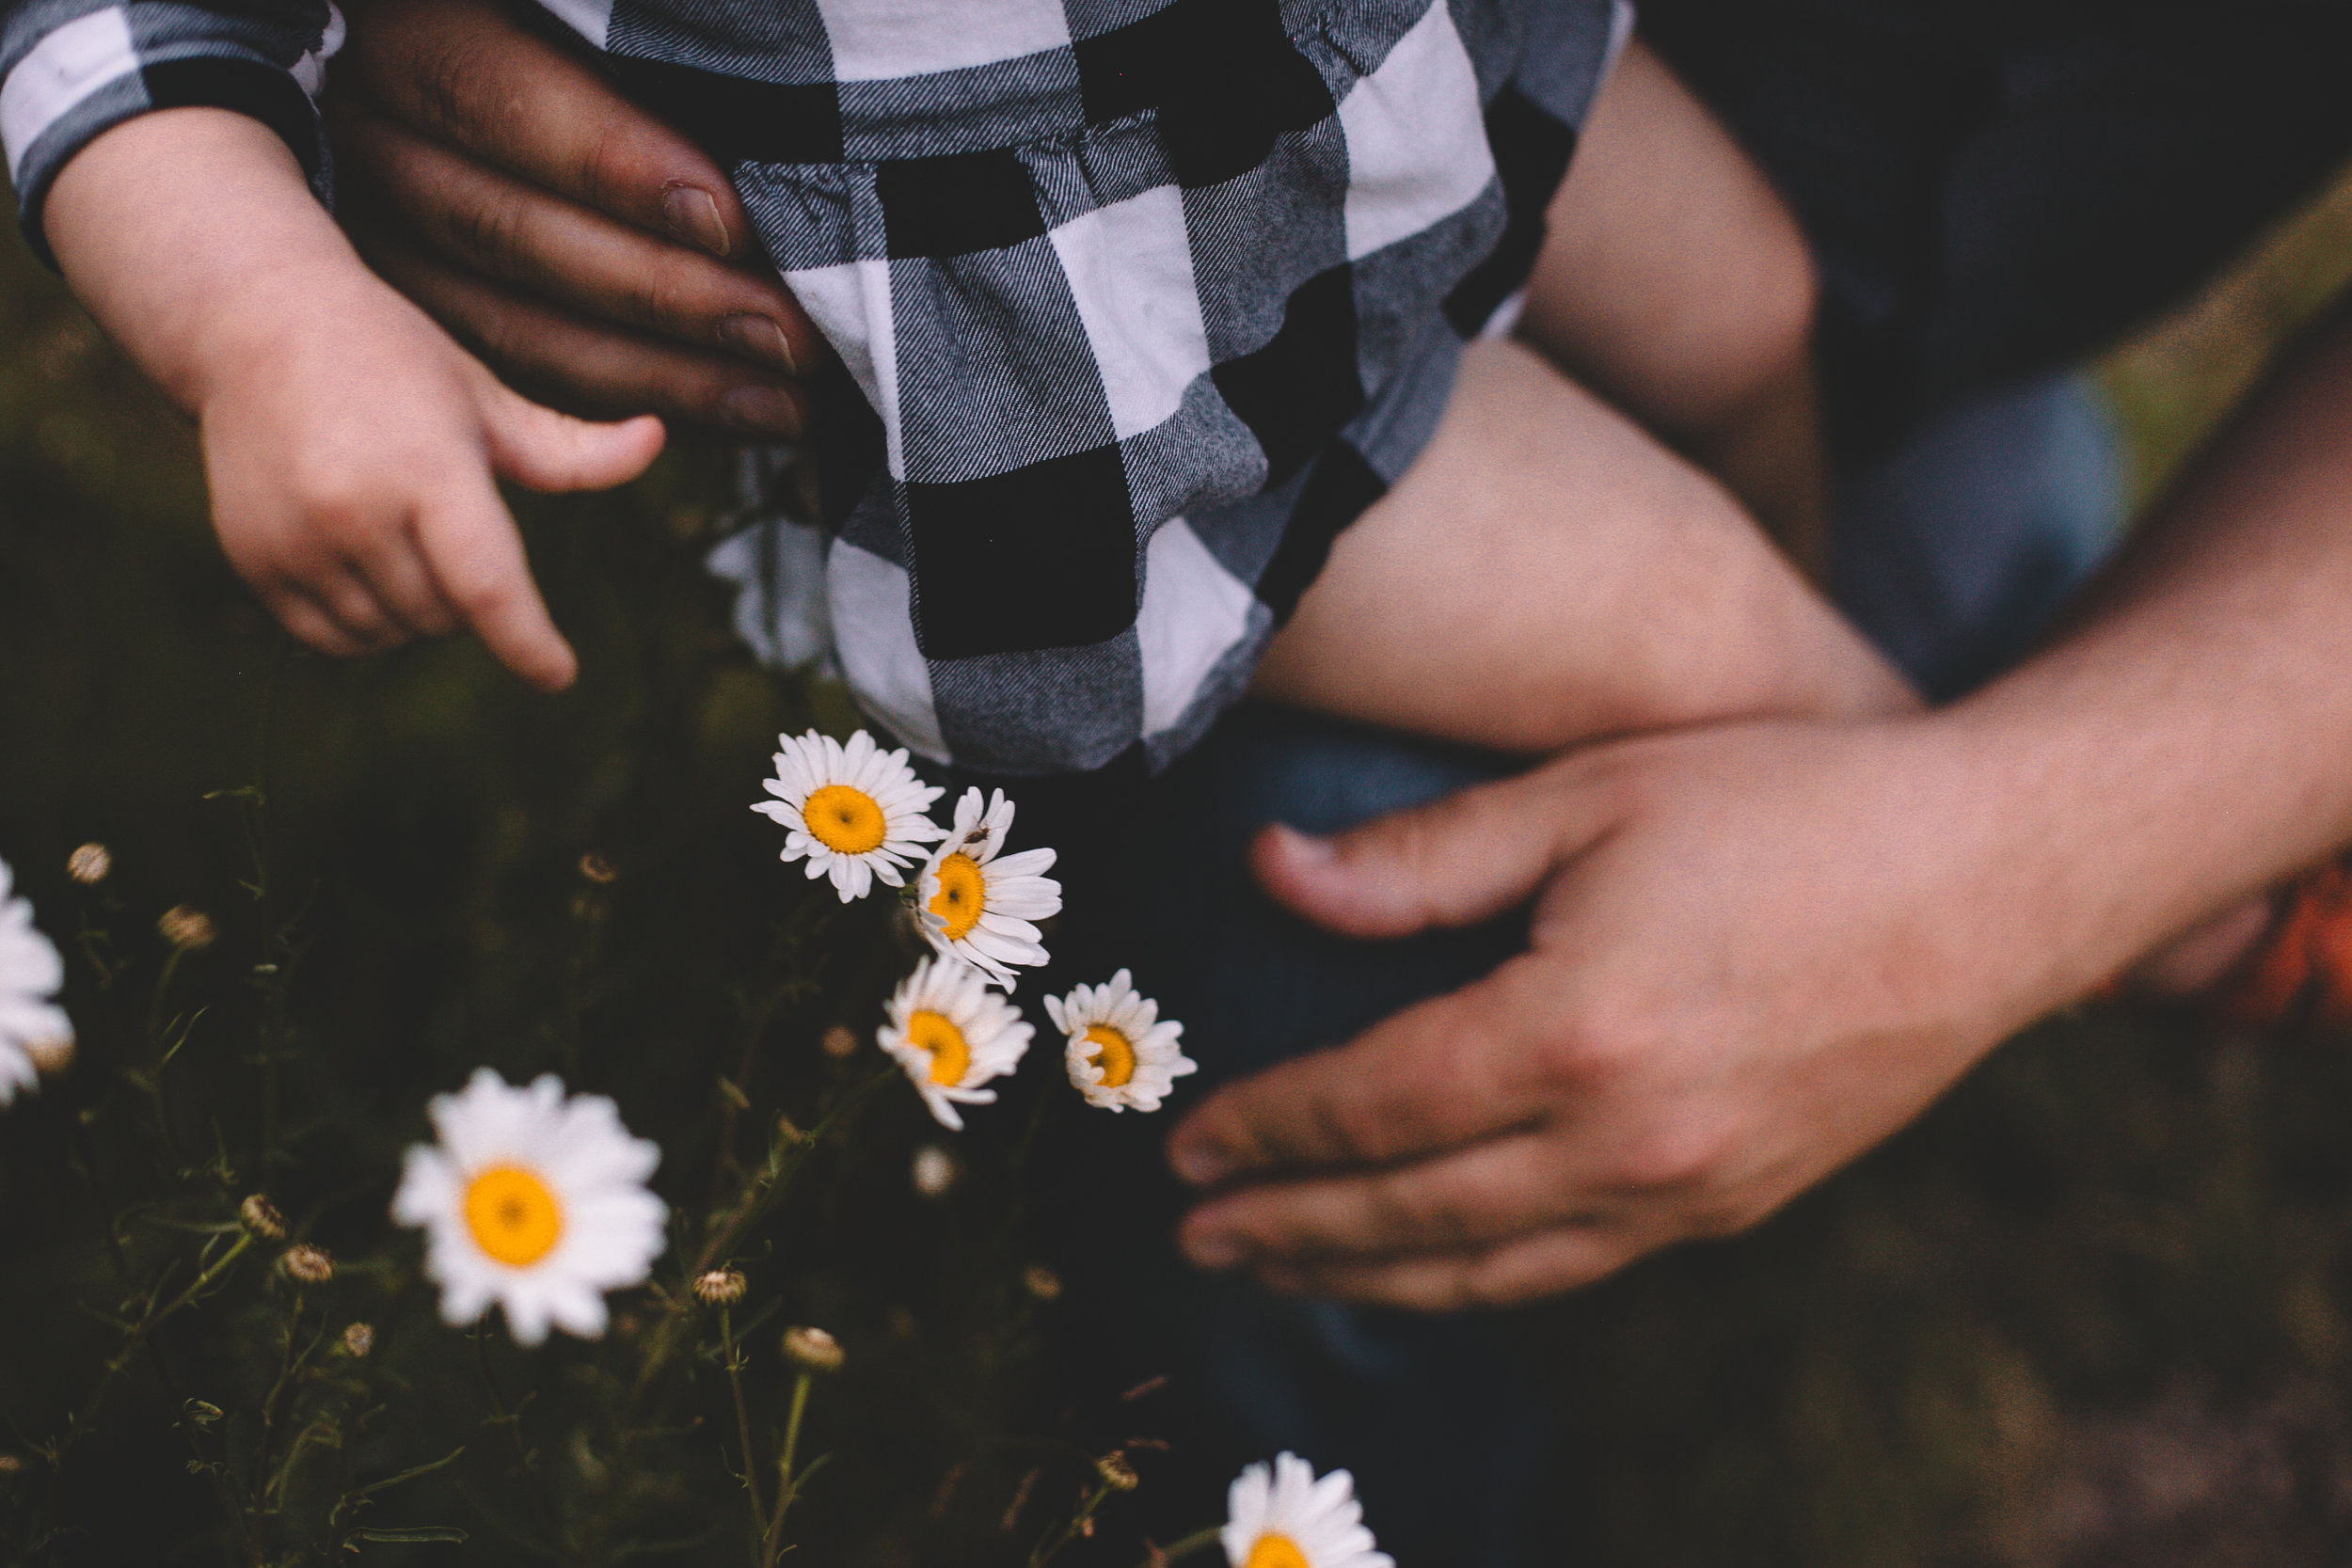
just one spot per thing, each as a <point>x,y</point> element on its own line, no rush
<point>1953,553</point>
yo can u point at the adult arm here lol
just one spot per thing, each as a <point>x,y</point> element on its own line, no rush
<point>585,248</point>
<point>1760,949</point>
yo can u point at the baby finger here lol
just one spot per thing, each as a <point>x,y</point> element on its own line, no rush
<point>403,585</point>
<point>311,626</point>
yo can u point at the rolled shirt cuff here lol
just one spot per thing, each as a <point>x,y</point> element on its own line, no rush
<point>71,70</point>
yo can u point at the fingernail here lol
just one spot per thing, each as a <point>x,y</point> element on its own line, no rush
<point>692,215</point>
<point>759,337</point>
<point>767,409</point>
<point>1204,1166</point>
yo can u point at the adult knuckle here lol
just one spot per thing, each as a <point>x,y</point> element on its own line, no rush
<point>444,82</point>
<point>489,232</point>
<point>1682,1153</point>
<point>1585,1052</point>
<point>608,164</point>
<point>1404,1213</point>
<point>662,295</point>
<point>1345,1124</point>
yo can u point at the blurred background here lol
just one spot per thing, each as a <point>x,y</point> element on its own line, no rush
<point>2096,1309</point>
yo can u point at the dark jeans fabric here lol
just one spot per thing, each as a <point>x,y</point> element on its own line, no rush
<point>1996,189</point>
<point>1954,553</point>
<point>1447,1430</point>
<point>1440,1428</point>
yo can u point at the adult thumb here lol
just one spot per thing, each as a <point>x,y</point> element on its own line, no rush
<point>1454,862</point>
<point>543,449</point>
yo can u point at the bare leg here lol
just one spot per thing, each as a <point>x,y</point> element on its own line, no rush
<point>1546,573</point>
<point>1673,283</point>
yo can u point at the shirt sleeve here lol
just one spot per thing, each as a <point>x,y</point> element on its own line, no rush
<point>70,68</point>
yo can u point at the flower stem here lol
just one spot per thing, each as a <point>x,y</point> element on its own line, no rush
<point>761,1196</point>
<point>743,1427</point>
<point>1175,1550</point>
<point>1070,1531</point>
<point>145,1328</point>
<point>772,1546</point>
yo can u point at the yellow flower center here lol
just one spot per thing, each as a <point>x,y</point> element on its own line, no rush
<point>1113,1051</point>
<point>950,1058</point>
<point>962,894</point>
<point>1275,1551</point>
<point>512,1216</point>
<point>846,821</point>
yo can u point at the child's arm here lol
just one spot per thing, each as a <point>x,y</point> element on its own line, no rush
<point>349,444</point>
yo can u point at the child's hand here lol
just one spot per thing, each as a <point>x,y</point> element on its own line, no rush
<point>350,446</point>
<point>350,454</point>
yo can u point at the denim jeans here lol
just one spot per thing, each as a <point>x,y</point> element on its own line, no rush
<point>1446,1430</point>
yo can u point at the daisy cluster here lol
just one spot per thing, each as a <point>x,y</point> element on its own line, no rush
<point>858,815</point>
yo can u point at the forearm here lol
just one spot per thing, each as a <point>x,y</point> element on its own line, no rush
<point>192,238</point>
<point>2188,739</point>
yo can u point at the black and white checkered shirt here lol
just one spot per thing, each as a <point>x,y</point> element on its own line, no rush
<point>1148,298</point>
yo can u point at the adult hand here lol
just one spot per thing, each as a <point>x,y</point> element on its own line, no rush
<point>1757,950</point>
<point>585,248</point>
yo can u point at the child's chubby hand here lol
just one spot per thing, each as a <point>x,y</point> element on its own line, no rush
<point>350,447</point>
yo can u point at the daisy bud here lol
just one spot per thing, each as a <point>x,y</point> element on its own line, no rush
<point>721,1287</point>
<point>261,1216</point>
<point>597,869</point>
<point>89,865</point>
<point>306,1264</point>
<point>359,1340</point>
<point>934,1170</point>
<point>812,1350</point>
<point>189,931</point>
<point>1117,1473</point>
<point>1043,1283</point>
<point>52,1055</point>
<point>840,1044</point>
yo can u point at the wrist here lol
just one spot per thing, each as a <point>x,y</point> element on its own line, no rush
<point>192,236</point>
<point>2104,824</point>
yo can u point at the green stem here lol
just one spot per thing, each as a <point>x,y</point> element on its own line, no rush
<point>1176,1550</point>
<point>772,1545</point>
<point>161,1052</point>
<point>743,1426</point>
<point>760,1199</point>
<point>1070,1531</point>
<point>144,1329</point>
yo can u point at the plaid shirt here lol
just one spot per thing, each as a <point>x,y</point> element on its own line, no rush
<point>1148,299</point>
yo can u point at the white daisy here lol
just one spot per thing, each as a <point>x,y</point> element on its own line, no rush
<point>32,1028</point>
<point>533,1201</point>
<point>1120,1054</point>
<point>1288,1519</point>
<point>952,1034</point>
<point>855,811</point>
<point>977,907</point>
